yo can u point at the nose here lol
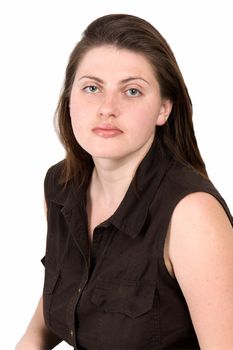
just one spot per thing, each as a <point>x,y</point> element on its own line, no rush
<point>109,107</point>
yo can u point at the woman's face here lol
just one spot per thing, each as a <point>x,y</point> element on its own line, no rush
<point>115,103</point>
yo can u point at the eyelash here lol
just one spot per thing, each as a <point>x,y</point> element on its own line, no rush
<point>86,88</point>
<point>138,92</point>
<point>90,86</point>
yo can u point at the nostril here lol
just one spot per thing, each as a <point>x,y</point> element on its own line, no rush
<point>106,115</point>
<point>108,110</point>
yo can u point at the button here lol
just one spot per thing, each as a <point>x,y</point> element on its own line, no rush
<point>71,333</point>
<point>79,290</point>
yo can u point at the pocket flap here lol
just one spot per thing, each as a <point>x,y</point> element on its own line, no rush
<point>51,279</point>
<point>132,298</point>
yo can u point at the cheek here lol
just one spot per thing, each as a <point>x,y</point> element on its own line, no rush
<point>81,110</point>
<point>79,129</point>
<point>145,117</point>
<point>150,107</point>
<point>76,121</point>
<point>74,124</point>
<point>78,113</point>
<point>78,125</point>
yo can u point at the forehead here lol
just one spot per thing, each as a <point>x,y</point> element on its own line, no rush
<point>108,59</point>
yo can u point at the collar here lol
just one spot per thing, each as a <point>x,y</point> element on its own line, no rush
<point>133,210</point>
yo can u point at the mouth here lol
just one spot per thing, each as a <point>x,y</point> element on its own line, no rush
<point>107,131</point>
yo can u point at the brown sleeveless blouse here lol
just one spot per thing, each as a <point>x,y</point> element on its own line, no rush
<point>118,294</point>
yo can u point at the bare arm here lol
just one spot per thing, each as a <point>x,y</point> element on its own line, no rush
<point>37,335</point>
<point>200,247</point>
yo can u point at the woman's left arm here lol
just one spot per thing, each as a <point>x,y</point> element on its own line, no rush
<point>200,248</point>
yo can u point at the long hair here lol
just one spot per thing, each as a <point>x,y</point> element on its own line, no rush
<point>135,34</point>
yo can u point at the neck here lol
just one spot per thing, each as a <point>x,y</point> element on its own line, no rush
<point>112,177</point>
<point>111,180</point>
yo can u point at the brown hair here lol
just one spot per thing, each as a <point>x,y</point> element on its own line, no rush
<point>133,33</point>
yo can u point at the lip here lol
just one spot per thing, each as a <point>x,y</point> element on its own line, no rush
<point>107,131</point>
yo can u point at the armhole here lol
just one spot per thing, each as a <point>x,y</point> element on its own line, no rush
<point>43,261</point>
<point>170,211</point>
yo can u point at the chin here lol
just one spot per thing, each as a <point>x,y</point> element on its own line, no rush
<point>105,151</point>
<point>106,155</point>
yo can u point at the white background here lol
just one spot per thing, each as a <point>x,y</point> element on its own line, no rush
<point>36,39</point>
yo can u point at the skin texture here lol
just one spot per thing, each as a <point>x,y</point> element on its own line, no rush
<point>111,99</point>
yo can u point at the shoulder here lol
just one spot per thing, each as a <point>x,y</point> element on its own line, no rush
<point>184,177</point>
<point>53,188</point>
<point>200,208</point>
<point>182,181</point>
<point>197,219</point>
<point>199,229</point>
<point>54,172</point>
<point>200,250</point>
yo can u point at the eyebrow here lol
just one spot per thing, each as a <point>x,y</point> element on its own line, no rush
<point>124,81</point>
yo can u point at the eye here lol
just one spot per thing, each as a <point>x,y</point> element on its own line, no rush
<point>91,89</point>
<point>133,92</point>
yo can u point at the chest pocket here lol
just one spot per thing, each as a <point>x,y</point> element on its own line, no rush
<point>130,298</point>
<point>127,314</point>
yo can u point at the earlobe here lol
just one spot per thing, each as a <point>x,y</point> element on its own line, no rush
<point>165,111</point>
<point>162,119</point>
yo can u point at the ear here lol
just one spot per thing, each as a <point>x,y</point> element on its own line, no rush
<point>165,110</point>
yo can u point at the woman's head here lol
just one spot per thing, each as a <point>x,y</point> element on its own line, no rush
<point>134,34</point>
<point>116,104</point>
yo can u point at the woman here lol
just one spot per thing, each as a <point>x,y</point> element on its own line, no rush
<point>139,248</point>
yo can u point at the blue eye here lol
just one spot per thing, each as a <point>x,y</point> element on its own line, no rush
<point>133,92</point>
<point>91,89</point>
